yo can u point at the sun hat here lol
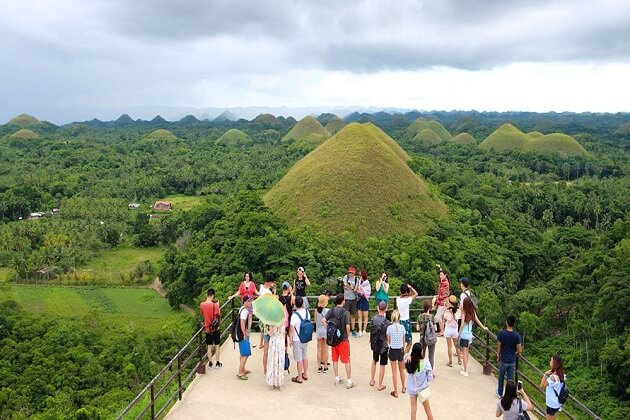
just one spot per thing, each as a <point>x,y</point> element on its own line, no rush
<point>322,301</point>
<point>452,299</point>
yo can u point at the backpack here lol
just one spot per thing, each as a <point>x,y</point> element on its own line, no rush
<point>473,298</point>
<point>216,321</point>
<point>429,338</point>
<point>563,396</point>
<point>376,339</point>
<point>333,331</point>
<point>306,328</point>
<point>235,328</point>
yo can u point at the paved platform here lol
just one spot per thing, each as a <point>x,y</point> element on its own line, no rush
<point>220,395</point>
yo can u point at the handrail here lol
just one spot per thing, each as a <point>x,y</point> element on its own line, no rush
<point>487,361</point>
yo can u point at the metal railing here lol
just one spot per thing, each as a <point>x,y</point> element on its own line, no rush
<point>482,355</point>
<point>154,409</point>
<point>163,384</point>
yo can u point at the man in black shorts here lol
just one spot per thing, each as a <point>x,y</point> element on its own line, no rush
<point>378,343</point>
<point>350,289</point>
<point>211,313</point>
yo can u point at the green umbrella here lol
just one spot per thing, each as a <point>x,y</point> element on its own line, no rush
<point>269,310</point>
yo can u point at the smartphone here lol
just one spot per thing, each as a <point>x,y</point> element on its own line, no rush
<point>519,386</point>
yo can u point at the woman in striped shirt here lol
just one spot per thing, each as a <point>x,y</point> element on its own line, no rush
<point>396,341</point>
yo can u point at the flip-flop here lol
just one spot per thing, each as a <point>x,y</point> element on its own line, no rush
<point>372,383</point>
<point>393,394</point>
<point>304,378</point>
<point>242,377</point>
<point>449,364</point>
<point>295,379</point>
<point>381,388</point>
<point>247,372</point>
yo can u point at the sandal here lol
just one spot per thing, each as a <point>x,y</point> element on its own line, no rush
<point>247,372</point>
<point>459,362</point>
<point>394,394</point>
<point>295,379</point>
<point>372,383</point>
<point>242,377</point>
<point>304,378</point>
<point>449,364</point>
<point>380,388</point>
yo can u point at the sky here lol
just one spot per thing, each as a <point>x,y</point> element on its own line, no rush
<point>70,60</point>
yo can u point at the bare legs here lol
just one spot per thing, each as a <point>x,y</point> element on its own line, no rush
<point>398,369</point>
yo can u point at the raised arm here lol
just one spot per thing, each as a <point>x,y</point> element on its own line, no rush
<point>308,282</point>
<point>414,294</point>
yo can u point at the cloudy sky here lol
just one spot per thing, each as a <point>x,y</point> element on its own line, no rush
<point>67,60</point>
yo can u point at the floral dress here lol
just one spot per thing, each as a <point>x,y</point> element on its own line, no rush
<point>275,361</point>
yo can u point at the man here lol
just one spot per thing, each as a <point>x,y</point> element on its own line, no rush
<point>341,350</point>
<point>267,288</point>
<point>211,311</point>
<point>443,292</point>
<point>350,289</point>
<point>299,349</point>
<point>378,342</point>
<point>244,347</point>
<point>287,298</point>
<point>403,302</point>
<point>300,284</point>
<point>509,347</point>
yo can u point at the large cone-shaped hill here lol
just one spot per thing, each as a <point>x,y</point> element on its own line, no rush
<point>335,124</point>
<point>307,127</point>
<point>421,128</point>
<point>234,137</point>
<point>507,137</point>
<point>24,134</point>
<point>464,138</point>
<point>24,120</point>
<point>623,129</point>
<point>357,180</point>
<point>161,134</point>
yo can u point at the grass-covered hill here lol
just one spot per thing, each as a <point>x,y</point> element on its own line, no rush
<point>306,127</point>
<point>24,120</point>
<point>358,180</point>
<point>507,137</point>
<point>268,119</point>
<point>428,136</point>
<point>335,124</point>
<point>24,134</point>
<point>464,138</point>
<point>234,137</point>
<point>161,134</point>
<point>419,125</point>
<point>623,129</point>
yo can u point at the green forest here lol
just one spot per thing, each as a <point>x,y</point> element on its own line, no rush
<point>542,234</point>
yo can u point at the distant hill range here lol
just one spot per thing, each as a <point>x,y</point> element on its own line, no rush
<point>359,181</point>
<point>509,138</point>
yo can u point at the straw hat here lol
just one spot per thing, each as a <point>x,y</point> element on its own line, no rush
<point>322,301</point>
<point>450,302</point>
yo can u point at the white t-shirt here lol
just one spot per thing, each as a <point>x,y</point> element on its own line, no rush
<point>264,290</point>
<point>458,313</point>
<point>512,413</point>
<point>244,315</point>
<point>295,321</point>
<point>403,303</point>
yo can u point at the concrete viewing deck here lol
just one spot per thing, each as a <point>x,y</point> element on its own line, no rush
<point>219,394</point>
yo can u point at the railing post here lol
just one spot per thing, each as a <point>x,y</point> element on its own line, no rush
<point>152,401</point>
<point>487,367</point>
<point>179,377</point>
<point>201,366</point>
<point>516,368</point>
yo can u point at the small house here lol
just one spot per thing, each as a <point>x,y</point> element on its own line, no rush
<point>133,206</point>
<point>35,215</point>
<point>163,206</point>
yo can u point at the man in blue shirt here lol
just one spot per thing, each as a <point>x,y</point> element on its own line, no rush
<point>509,346</point>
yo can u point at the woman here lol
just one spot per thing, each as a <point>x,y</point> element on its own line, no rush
<point>450,330</point>
<point>469,315</point>
<point>299,286</point>
<point>275,362</point>
<point>246,288</point>
<point>320,331</point>
<point>443,291</point>
<point>382,289</point>
<point>552,382</point>
<point>419,374</point>
<point>363,304</point>
<point>424,318</point>
<point>396,341</point>
<point>510,405</point>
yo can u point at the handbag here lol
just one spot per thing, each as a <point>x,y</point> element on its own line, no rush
<point>522,415</point>
<point>216,322</point>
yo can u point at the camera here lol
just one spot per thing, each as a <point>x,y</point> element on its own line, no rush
<point>519,386</point>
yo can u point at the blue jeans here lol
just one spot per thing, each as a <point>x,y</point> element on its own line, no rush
<point>504,368</point>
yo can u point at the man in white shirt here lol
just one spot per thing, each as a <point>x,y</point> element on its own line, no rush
<point>299,349</point>
<point>403,302</point>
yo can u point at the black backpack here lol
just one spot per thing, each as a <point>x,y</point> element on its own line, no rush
<point>334,334</point>
<point>235,330</point>
<point>563,396</point>
<point>376,340</point>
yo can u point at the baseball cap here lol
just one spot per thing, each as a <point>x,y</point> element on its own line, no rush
<point>382,305</point>
<point>301,269</point>
<point>246,298</point>
<point>352,270</point>
<point>286,285</point>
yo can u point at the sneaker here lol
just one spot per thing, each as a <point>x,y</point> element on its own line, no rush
<point>325,370</point>
<point>354,334</point>
<point>338,381</point>
<point>463,372</point>
<point>350,385</point>
<point>218,365</point>
<point>320,370</point>
<point>496,394</point>
<point>210,364</point>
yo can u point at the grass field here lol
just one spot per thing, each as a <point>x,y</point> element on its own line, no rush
<point>184,202</point>
<point>118,305</point>
<point>111,264</point>
<point>5,272</point>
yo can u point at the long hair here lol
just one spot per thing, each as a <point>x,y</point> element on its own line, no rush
<point>468,308</point>
<point>395,316</point>
<point>364,275</point>
<point>509,395</point>
<point>250,274</point>
<point>558,366</point>
<point>417,354</point>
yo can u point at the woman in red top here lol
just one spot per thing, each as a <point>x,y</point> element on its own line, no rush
<point>246,288</point>
<point>444,290</point>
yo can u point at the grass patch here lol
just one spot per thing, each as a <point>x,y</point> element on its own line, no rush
<point>184,202</point>
<point>5,274</point>
<point>117,305</point>
<point>111,265</point>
